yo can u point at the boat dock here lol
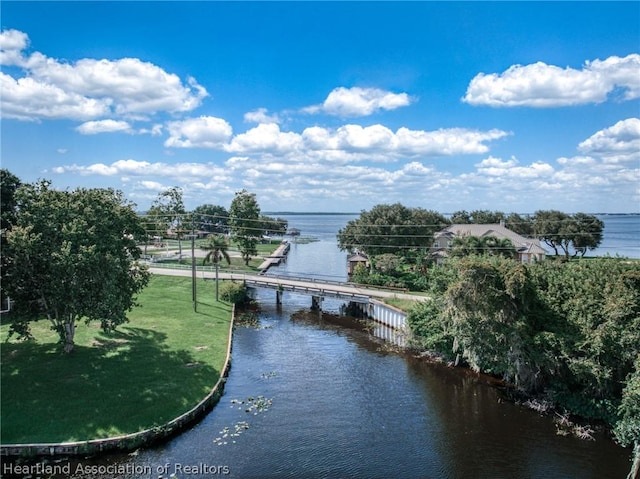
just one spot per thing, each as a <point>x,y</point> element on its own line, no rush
<point>275,258</point>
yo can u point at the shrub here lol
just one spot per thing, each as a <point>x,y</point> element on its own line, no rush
<point>235,293</point>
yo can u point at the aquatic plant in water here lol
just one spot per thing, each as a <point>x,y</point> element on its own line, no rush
<point>251,405</point>
<point>227,434</point>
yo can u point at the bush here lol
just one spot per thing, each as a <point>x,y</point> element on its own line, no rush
<point>235,293</point>
<point>427,327</point>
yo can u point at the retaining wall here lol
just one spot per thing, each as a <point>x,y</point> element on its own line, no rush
<point>383,313</point>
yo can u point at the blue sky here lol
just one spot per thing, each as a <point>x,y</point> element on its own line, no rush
<point>329,106</point>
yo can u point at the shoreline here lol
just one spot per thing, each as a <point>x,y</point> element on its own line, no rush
<point>132,441</point>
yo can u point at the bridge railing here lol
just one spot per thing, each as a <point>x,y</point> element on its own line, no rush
<point>245,273</point>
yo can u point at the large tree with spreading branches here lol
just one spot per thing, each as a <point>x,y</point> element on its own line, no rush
<point>72,257</point>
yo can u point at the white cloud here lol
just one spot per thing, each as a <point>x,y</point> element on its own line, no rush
<point>265,138</point>
<point>446,141</point>
<point>495,167</point>
<point>203,132</point>
<point>542,85</point>
<point>356,101</point>
<point>12,43</point>
<point>133,168</point>
<point>150,186</point>
<point>618,143</point>
<point>89,88</point>
<point>155,130</point>
<point>260,116</point>
<point>28,99</point>
<point>576,161</point>
<point>348,143</point>
<point>103,126</point>
<point>492,162</point>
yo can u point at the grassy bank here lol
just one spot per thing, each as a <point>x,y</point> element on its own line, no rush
<point>151,370</point>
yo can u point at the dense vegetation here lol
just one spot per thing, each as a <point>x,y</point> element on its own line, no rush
<point>565,332</point>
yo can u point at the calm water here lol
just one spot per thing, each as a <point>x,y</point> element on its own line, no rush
<point>336,402</point>
<point>621,236</point>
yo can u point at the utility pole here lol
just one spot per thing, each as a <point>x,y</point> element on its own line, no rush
<point>193,266</point>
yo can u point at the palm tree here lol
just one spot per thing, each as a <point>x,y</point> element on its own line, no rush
<point>501,247</point>
<point>217,247</point>
<point>468,245</point>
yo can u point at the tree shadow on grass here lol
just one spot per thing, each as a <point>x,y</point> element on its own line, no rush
<point>126,381</point>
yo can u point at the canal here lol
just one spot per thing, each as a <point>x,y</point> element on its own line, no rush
<point>314,395</point>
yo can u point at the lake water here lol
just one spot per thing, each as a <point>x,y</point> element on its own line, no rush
<point>315,395</point>
<point>621,236</point>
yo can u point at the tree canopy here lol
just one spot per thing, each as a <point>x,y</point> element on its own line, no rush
<point>72,256</point>
<point>566,233</point>
<point>245,224</point>
<point>9,184</point>
<point>211,218</point>
<point>394,229</point>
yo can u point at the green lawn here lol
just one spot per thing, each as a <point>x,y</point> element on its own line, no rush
<point>236,264</point>
<point>151,370</point>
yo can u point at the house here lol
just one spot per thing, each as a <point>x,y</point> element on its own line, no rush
<point>528,249</point>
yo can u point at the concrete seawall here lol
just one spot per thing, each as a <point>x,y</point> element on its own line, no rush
<point>383,313</point>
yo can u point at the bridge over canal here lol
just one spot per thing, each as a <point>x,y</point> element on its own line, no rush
<point>367,298</point>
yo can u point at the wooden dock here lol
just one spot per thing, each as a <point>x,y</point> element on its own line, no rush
<point>276,257</point>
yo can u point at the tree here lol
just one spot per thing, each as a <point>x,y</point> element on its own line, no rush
<point>468,245</point>
<point>580,232</point>
<point>481,217</point>
<point>552,227</point>
<point>482,245</point>
<point>170,207</point>
<point>461,217</point>
<point>588,235</point>
<point>387,263</point>
<point>217,249</point>
<point>393,229</point>
<point>211,218</point>
<point>74,257</point>
<point>9,184</point>
<point>523,225</point>
<point>274,226</point>
<point>627,429</point>
<point>484,313</point>
<point>591,331</point>
<point>244,222</point>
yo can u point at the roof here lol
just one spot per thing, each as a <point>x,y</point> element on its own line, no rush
<point>357,257</point>
<point>522,244</point>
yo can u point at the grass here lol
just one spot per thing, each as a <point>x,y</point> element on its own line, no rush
<point>237,263</point>
<point>151,370</point>
<point>402,304</point>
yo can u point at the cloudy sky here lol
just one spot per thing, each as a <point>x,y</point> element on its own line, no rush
<point>328,106</point>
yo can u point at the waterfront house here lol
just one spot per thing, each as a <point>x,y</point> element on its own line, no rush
<point>528,250</point>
